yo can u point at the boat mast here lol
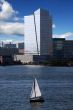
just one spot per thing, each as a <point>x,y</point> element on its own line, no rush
<point>34,88</point>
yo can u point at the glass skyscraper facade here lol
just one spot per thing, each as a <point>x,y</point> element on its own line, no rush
<point>38,33</point>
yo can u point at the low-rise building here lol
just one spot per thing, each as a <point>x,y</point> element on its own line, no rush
<point>58,47</point>
<point>20,47</point>
<point>68,49</point>
<point>9,45</point>
<point>7,55</point>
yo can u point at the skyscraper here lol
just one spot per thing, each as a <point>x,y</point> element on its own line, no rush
<point>38,33</point>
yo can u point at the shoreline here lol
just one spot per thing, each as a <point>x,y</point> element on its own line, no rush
<point>36,65</point>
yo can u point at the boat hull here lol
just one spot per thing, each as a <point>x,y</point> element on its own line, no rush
<point>37,99</point>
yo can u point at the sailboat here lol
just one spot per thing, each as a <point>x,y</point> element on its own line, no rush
<point>35,95</point>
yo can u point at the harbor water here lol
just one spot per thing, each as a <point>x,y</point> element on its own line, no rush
<point>56,84</point>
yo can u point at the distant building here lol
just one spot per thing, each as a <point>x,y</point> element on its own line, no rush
<point>62,49</point>
<point>68,51</point>
<point>38,33</point>
<point>7,55</point>
<point>9,45</point>
<point>8,51</point>
<point>58,48</point>
<point>20,47</point>
<point>25,58</point>
<point>62,52</point>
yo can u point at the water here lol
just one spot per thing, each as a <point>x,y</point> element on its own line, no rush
<point>56,85</point>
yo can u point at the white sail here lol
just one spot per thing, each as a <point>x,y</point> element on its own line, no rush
<point>32,95</point>
<point>35,92</point>
<point>37,89</point>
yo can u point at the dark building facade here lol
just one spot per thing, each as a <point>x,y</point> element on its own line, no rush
<point>58,48</point>
<point>7,55</point>
<point>20,47</point>
<point>62,51</point>
<point>68,49</point>
<point>10,45</point>
<point>62,48</point>
<point>42,59</point>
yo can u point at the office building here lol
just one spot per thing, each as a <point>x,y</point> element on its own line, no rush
<point>9,45</point>
<point>38,33</point>
<point>68,51</point>
<point>7,55</point>
<point>20,47</point>
<point>58,48</point>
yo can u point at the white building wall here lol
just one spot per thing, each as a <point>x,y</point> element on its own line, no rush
<point>26,58</point>
<point>29,35</point>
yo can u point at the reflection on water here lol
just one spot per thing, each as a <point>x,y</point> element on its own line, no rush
<point>56,84</point>
<point>36,105</point>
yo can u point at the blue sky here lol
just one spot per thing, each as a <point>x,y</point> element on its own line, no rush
<point>61,11</point>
